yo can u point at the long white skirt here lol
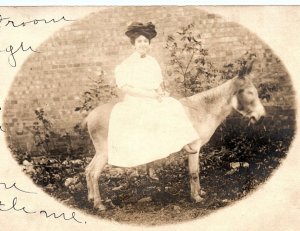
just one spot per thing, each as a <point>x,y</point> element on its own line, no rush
<point>143,130</point>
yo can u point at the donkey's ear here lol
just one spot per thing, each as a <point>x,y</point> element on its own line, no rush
<point>247,67</point>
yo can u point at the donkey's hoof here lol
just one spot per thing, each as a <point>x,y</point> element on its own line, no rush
<point>90,199</point>
<point>197,198</point>
<point>100,207</point>
<point>202,193</point>
<point>152,174</point>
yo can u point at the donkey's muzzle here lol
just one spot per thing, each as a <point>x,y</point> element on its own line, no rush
<point>257,121</point>
<point>253,120</point>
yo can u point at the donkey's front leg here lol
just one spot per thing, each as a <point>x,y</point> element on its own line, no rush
<point>194,177</point>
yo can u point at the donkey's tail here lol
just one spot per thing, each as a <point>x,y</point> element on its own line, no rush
<point>83,123</point>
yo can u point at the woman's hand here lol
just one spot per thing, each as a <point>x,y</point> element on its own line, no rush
<point>159,98</point>
<point>138,92</point>
<point>154,94</point>
<point>162,94</point>
<point>165,94</point>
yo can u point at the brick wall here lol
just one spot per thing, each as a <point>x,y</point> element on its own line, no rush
<point>56,78</point>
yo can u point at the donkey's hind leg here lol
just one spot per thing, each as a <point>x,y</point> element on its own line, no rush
<point>98,166</point>
<point>94,169</point>
<point>89,180</point>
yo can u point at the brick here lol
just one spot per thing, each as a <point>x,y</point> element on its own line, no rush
<point>55,78</point>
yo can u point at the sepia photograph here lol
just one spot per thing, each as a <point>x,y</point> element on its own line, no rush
<point>154,117</point>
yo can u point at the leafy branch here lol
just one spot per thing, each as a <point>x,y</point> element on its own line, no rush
<point>190,64</point>
<point>189,61</point>
<point>42,130</point>
<point>100,92</point>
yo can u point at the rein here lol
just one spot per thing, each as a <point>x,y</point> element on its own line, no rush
<point>213,92</point>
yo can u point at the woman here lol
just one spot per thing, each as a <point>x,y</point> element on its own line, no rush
<point>147,125</point>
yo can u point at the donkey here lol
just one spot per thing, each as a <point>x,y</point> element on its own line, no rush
<point>206,110</point>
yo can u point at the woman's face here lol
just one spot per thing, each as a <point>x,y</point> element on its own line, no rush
<point>142,45</point>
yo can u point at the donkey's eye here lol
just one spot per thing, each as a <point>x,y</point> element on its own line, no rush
<point>251,103</point>
<point>240,91</point>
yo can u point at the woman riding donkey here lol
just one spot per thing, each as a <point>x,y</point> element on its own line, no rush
<point>147,125</point>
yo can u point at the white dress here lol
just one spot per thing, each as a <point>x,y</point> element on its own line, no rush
<point>142,130</point>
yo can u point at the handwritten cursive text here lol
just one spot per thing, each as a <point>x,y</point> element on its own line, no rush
<point>1,129</point>
<point>62,215</point>
<point>5,21</point>
<point>14,206</point>
<point>12,51</point>
<point>14,185</point>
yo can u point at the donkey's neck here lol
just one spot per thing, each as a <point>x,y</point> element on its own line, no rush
<point>216,102</point>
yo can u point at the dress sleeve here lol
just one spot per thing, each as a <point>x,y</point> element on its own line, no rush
<point>158,73</point>
<point>120,76</point>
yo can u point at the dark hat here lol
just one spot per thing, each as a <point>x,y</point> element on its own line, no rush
<point>136,29</point>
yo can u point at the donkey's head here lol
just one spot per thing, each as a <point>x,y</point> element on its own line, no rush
<point>246,100</point>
